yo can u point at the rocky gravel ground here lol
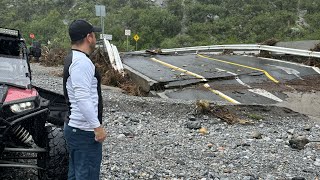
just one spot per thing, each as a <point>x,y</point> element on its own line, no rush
<point>152,138</point>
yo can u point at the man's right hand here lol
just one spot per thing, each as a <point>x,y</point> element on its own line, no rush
<point>100,134</point>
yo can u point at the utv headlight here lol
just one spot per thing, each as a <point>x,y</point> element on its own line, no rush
<point>17,108</point>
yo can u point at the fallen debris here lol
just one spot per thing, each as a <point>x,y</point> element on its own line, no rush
<point>203,131</point>
<point>111,77</point>
<point>224,114</point>
<point>203,106</point>
<point>312,62</point>
<point>227,52</point>
<point>52,57</point>
<point>265,54</point>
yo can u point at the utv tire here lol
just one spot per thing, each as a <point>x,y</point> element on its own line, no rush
<point>55,161</point>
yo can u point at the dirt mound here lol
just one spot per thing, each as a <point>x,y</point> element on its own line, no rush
<point>270,42</point>
<point>316,48</point>
<point>312,62</point>
<point>265,54</point>
<point>304,60</point>
<point>309,83</point>
<point>291,58</point>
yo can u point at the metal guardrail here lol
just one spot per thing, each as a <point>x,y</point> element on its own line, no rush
<point>215,47</point>
<point>114,56</point>
<point>298,52</point>
<point>256,47</point>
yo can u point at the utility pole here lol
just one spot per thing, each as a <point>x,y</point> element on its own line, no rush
<point>101,11</point>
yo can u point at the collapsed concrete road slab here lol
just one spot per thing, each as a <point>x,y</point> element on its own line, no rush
<point>221,79</point>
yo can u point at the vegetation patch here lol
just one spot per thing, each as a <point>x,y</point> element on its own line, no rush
<point>255,116</point>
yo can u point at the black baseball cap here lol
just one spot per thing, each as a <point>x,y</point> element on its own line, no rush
<point>79,29</point>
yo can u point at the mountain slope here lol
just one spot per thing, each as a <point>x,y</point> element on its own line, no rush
<point>173,23</point>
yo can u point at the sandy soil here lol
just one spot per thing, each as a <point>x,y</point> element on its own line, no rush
<point>307,103</point>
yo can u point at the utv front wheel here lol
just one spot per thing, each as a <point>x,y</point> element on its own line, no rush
<point>55,161</point>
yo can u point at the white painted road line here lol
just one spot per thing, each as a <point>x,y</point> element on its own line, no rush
<point>240,65</point>
<point>289,71</point>
<point>287,62</point>
<point>220,70</point>
<point>218,93</point>
<point>242,83</point>
<point>236,77</point>
<point>266,94</point>
<point>316,69</point>
<point>260,92</point>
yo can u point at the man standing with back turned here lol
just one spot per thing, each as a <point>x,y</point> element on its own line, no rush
<point>82,89</point>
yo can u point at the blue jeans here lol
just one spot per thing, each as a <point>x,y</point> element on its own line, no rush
<point>85,154</point>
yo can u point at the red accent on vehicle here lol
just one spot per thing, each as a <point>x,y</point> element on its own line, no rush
<point>15,94</point>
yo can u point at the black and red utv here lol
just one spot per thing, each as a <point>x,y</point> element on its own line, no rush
<point>31,118</point>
